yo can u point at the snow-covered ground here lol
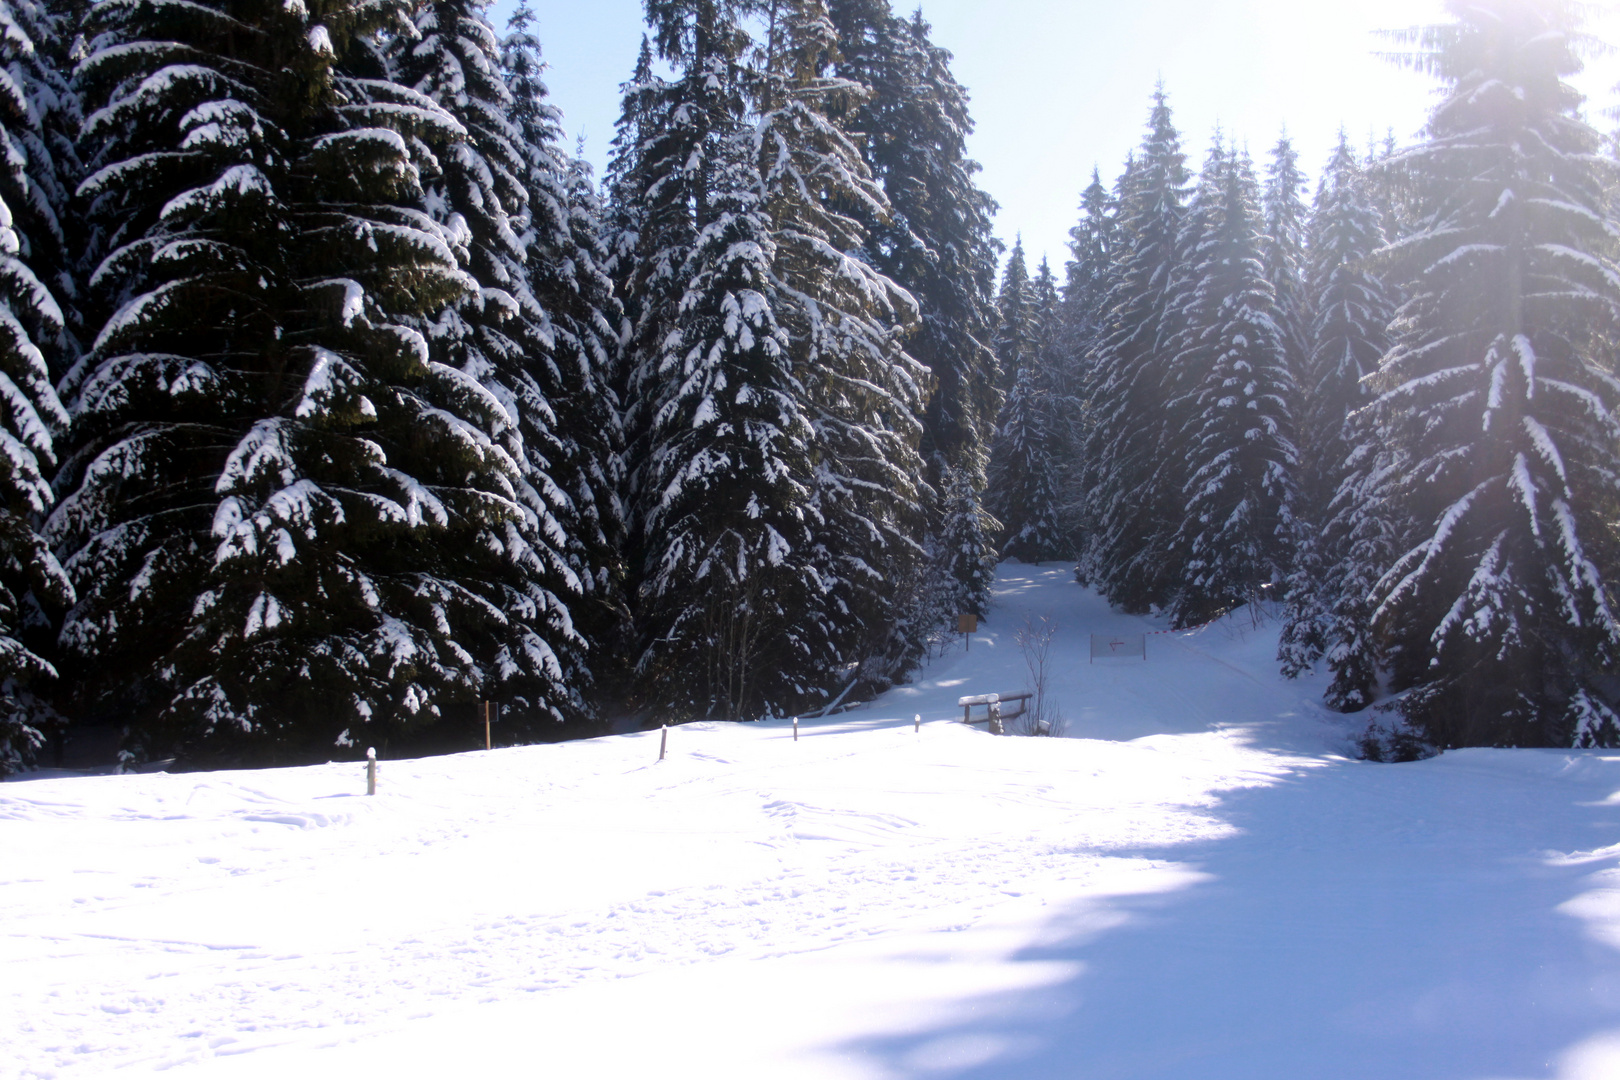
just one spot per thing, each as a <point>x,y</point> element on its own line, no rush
<point>1196,883</point>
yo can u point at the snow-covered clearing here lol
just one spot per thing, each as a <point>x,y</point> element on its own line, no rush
<point>1196,883</point>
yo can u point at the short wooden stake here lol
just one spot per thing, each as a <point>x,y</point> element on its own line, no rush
<point>795,729</point>
<point>371,770</point>
<point>488,745</point>
<point>663,743</point>
<point>916,723</point>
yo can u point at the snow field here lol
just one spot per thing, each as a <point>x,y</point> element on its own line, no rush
<point>313,906</point>
<point>1195,883</point>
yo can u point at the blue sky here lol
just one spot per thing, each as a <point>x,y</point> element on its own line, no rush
<point>1061,85</point>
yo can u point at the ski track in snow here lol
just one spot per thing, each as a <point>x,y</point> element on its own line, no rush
<point>278,919</point>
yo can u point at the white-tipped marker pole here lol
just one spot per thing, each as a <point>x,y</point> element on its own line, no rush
<point>663,743</point>
<point>371,770</point>
<point>795,729</point>
<point>916,723</point>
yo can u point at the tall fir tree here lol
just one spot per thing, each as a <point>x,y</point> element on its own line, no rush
<point>1500,388</point>
<point>1088,274</point>
<point>1130,503</point>
<point>644,102</point>
<point>729,609</point>
<point>592,469</point>
<point>528,570</point>
<point>1024,457</point>
<point>1014,339</point>
<point>846,322</point>
<point>1283,254</point>
<point>936,240</point>
<point>965,551</point>
<point>1368,526</point>
<point>35,345</point>
<point>1082,319</point>
<point>271,470</point>
<point>571,354</point>
<point>1327,590</point>
<point>1237,532</point>
<point>1168,383</point>
<point>667,132</point>
<point>1351,309</point>
<point>1186,352</point>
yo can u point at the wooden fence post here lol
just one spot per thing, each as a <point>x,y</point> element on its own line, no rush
<point>995,718</point>
<point>371,770</point>
<point>488,745</point>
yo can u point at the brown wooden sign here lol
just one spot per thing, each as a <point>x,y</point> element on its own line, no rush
<point>967,624</point>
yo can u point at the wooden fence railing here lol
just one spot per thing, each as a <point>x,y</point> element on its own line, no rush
<point>993,714</point>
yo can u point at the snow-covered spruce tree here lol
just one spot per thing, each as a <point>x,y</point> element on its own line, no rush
<point>845,321</point>
<point>593,465</point>
<point>573,354</point>
<point>529,570</point>
<point>1024,457</point>
<point>965,551</point>
<point>730,610</point>
<point>1500,386</point>
<point>1063,373</point>
<point>668,131</point>
<point>1283,253</point>
<point>1351,313</point>
<point>1182,353</point>
<point>34,346</point>
<point>274,477</point>
<point>936,241</point>
<point>1239,487</point>
<point>1186,346</point>
<point>1130,504</point>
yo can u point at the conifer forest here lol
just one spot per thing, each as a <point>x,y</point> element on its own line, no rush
<point>338,396</point>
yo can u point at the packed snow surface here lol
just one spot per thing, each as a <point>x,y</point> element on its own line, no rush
<point>1198,882</point>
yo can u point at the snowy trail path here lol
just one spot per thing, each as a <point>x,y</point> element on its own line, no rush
<point>1195,883</point>
<point>1215,667</point>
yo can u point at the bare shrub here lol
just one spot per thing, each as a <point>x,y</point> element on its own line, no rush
<point>1041,718</point>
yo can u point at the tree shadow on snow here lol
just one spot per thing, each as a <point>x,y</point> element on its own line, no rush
<point>1367,921</point>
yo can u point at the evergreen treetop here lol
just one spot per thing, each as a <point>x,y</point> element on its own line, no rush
<point>1014,340</point>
